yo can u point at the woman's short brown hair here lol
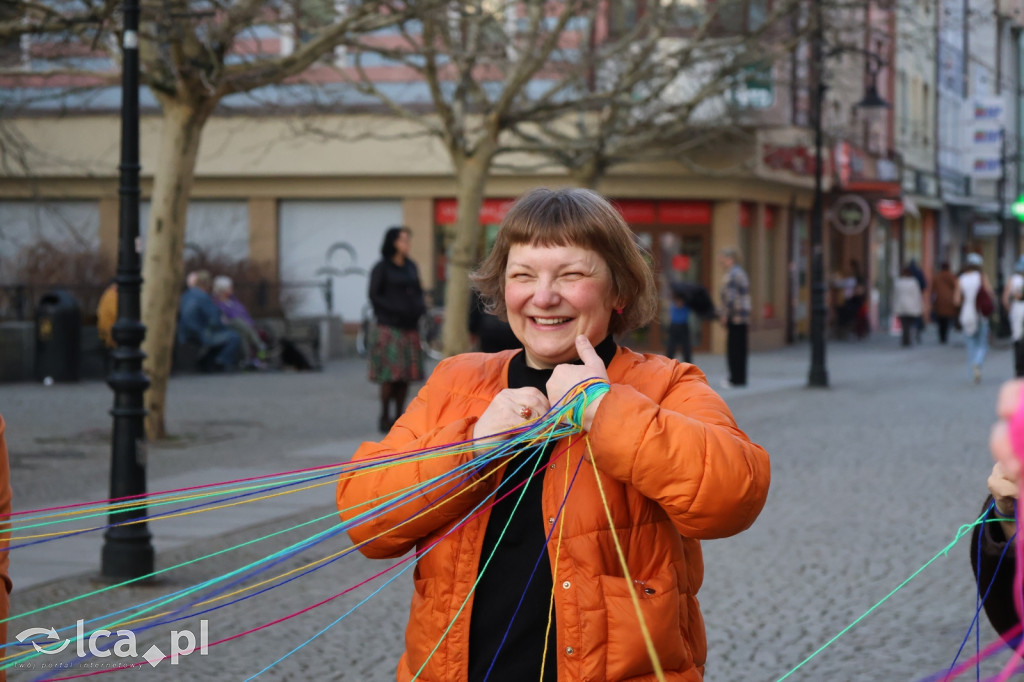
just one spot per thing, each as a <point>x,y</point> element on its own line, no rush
<point>574,217</point>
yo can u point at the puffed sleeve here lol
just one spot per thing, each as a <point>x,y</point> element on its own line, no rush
<point>995,569</point>
<point>685,452</point>
<point>437,417</point>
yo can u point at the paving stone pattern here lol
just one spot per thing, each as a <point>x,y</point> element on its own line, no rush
<point>870,479</point>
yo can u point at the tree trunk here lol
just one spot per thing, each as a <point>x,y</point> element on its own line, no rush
<point>472,177</point>
<point>165,246</point>
<point>588,175</point>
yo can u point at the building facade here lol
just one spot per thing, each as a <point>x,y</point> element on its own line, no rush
<point>901,183</point>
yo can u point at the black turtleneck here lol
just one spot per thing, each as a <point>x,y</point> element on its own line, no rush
<point>504,583</point>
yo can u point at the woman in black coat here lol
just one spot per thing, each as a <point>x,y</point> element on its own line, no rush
<point>396,357</point>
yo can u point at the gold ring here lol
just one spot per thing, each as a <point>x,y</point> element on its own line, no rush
<point>525,412</point>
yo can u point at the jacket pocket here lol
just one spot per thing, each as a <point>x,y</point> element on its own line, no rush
<point>421,633</point>
<point>627,654</point>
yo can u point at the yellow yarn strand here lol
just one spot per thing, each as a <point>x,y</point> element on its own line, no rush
<point>248,588</point>
<point>215,507</point>
<point>164,517</point>
<point>648,641</point>
<point>322,560</point>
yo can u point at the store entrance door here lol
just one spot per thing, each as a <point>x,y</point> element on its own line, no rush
<point>684,258</point>
<point>678,255</point>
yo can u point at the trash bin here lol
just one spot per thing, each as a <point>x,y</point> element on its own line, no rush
<point>58,337</point>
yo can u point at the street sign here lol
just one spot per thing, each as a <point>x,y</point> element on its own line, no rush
<point>850,214</point>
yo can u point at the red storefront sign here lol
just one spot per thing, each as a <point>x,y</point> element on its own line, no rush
<point>684,212</point>
<point>634,211</point>
<point>890,209</point>
<point>492,212</point>
<point>794,159</point>
<point>648,212</point>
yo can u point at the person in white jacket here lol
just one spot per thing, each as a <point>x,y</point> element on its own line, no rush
<point>907,303</point>
<point>973,323</point>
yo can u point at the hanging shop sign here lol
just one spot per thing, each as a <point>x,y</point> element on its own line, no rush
<point>986,228</point>
<point>850,214</point>
<point>890,209</point>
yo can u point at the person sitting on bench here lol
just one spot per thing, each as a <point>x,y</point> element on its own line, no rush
<point>200,323</point>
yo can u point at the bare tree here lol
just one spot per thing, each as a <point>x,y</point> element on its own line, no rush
<point>193,54</point>
<point>582,85</point>
<point>703,83</point>
<point>684,87</point>
<point>185,63</point>
<point>488,67</point>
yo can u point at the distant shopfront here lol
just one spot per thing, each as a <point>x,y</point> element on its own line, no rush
<point>675,233</point>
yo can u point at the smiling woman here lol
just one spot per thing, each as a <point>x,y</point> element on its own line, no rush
<point>541,566</point>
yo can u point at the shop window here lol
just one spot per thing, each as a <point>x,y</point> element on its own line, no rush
<point>728,17</point>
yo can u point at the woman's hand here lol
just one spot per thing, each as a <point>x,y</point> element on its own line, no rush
<point>509,409</point>
<point>1004,489</point>
<point>565,376</point>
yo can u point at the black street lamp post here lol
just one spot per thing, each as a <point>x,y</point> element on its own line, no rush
<point>818,375</point>
<point>127,550</point>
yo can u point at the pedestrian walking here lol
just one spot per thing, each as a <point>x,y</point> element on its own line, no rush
<point>908,305</point>
<point>944,306</point>
<point>566,273</point>
<point>1013,301</point>
<point>972,287</point>
<point>679,329</point>
<point>918,274</point>
<point>396,358</point>
<point>735,315</point>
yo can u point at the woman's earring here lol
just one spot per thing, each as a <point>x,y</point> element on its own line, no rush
<point>618,310</point>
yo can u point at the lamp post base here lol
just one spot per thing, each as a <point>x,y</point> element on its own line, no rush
<point>124,558</point>
<point>818,378</point>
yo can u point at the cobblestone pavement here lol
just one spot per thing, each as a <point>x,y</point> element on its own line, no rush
<point>871,479</point>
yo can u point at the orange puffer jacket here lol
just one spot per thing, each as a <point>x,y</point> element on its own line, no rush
<point>674,466</point>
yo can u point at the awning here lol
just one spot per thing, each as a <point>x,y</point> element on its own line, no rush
<point>933,203</point>
<point>981,204</point>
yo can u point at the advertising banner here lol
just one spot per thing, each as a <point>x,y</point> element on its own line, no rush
<point>987,118</point>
